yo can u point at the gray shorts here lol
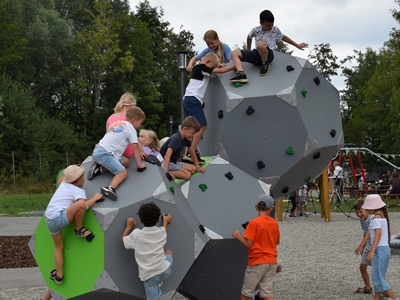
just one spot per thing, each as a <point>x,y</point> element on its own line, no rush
<point>364,260</point>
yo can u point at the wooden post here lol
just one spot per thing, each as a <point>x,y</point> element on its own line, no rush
<point>279,209</point>
<point>324,190</point>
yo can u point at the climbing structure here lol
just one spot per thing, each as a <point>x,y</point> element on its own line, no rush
<point>271,134</point>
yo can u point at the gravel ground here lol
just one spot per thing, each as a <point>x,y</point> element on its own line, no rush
<point>317,259</point>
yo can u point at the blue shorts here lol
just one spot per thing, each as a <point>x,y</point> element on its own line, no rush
<point>57,224</point>
<point>192,107</point>
<point>254,58</point>
<point>152,285</point>
<point>107,160</point>
<point>174,166</point>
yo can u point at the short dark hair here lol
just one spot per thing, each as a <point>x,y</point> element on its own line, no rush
<point>149,214</point>
<point>266,16</point>
<point>358,204</point>
<point>191,123</point>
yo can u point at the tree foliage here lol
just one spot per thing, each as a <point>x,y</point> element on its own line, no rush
<point>322,57</point>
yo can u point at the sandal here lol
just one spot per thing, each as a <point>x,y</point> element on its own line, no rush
<point>53,276</point>
<point>363,290</point>
<point>383,296</point>
<point>82,232</point>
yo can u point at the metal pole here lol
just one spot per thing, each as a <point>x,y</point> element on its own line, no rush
<point>182,93</point>
<point>182,54</point>
<point>170,125</point>
<point>13,166</point>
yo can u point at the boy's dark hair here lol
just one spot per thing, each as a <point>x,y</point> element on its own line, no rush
<point>149,214</point>
<point>191,123</point>
<point>135,112</point>
<point>266,16</point>
<point>358,204</point>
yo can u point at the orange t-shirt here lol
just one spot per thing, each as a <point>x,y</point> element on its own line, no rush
<point>264,232</point>
<point>113,118</point>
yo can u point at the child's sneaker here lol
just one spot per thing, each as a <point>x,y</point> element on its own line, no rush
<point>109,192</point>
<point>292,215</point>
<point>188,159</point>
<point>94,170</point>
<point>54,277</point>
<point>264,68</point>
<point>239,77</point>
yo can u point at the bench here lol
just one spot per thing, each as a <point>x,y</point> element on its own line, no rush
<point>388,197</point>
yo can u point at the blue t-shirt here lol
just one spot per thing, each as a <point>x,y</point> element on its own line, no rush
<point>226,51</point>
<point>177,144</point>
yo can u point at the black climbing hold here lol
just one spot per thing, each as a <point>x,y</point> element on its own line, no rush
<point>244,225</point>
<point>289,68</point>
<point>285,190</point>
<point>316,80</point>
<point>317,155</point>
<point>220,114</point>
<point>202,229</point>
<point>260,164</point>
<point>168,176</point>
<point>250,110</point>
<point>202,105</point>
<point>101,199</point>
<point>229,175</point>
<point>90,237</point>
<point>333,133</point>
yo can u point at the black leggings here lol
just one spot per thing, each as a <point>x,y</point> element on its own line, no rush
<point>294,203</point>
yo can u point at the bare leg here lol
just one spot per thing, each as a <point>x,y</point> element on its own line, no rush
<point>118,179</point>
<point>365,276</point>
<point>262,49</point>
<point>76,212</point>
<point>197,137</point>
<point>58,252</point>
<point>390,294</point>
<point>237,60</point>
<point>47,296</point>
<point>181,174</point>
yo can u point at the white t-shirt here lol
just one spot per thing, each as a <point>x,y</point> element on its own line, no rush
<point>338,172</point>
<point>119,135</point>
<point>269,37</point>
<point>64,197</point>
<point>148,244</point>
<point>379,223</point>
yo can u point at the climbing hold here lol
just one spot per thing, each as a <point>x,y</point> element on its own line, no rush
<point>202,105</point>
<point>169,176</point>
<point>260,164</point>
<point>171,188</point>
<point>203,187</point>
<point>289,68</point>
<point>304,93</point>
<point>316,80</point>
<point>229,175</point>
<point>308,179</point>
<point>289,150</point>
<point>285,190</point>
<point>250,110</point>
<point>333,133</point>
<point>202,229</point>
<point>244,225</point>
<point>317,155</point>
<point>220,114</point>
<point>238,84</point>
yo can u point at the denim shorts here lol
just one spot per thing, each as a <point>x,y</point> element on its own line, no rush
<point>57,224</point>
<point>379,266</point>
<point>107,160</point>
<point>192,107</point>
<point>152,285</point>
<point>254,58</point>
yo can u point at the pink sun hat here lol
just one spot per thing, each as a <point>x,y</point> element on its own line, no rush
<point>373,202</point>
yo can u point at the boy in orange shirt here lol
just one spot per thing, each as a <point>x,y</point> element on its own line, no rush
<point>261,238</point>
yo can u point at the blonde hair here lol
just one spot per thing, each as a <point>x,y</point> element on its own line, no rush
<point>212,57</point>
<point>212,34</point>
<point>154,143</point>
<point>126,99</point>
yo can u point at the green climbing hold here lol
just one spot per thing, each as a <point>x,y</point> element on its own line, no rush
<point>308,179</point>
<point>304,93</point>
<point>203,187</point>
<point>290,150</point>
<point>238,84</point>
<point>171,188</point>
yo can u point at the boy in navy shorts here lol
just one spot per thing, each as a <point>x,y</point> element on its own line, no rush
<point>193,99</point>
<point>266,36</point>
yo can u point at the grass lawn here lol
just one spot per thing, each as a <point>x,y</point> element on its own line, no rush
<point>14,204</point>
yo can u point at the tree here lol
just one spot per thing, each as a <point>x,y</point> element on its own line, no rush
<point>322,57</point>
<point>282,47</point>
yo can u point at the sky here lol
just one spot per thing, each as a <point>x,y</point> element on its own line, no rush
<point>346,25</point>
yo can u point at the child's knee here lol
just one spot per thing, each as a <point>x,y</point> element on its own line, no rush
<point>236,53</point>
<point>262,45</point>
